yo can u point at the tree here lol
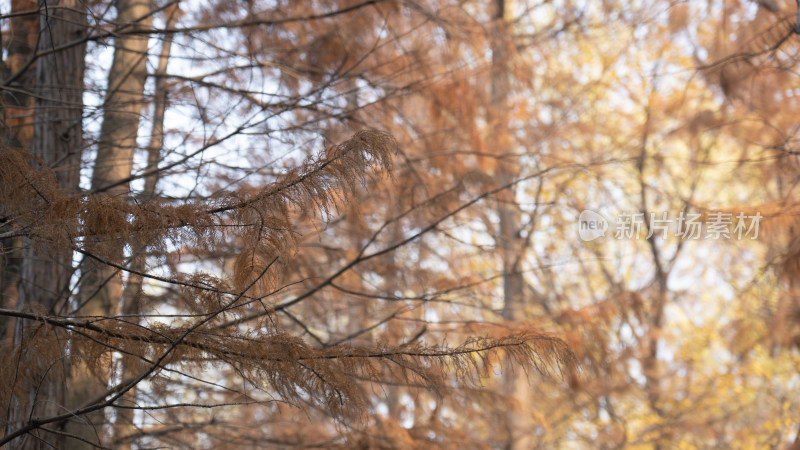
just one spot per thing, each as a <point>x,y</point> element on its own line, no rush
<point>239,315</point>
<point>54,135</point>
<point>354,224</point>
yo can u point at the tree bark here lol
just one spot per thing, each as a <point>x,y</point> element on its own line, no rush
<point>46,268</point>
<point>131,295</point>
<point>101,290</point>
<point>17,102</point>
<point>518,418</point>
<point>16,130</point>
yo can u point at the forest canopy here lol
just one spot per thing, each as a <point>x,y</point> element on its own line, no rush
<point>399,224</point>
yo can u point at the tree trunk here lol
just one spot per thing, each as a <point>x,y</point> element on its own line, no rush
<point>101,290</point>
<point>18,104</point>
<point>518,419</point>
<point>16,130</point>
<point>57,140</point>
<point>131,295</point>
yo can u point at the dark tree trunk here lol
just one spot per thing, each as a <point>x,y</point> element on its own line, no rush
<point>56,139</point>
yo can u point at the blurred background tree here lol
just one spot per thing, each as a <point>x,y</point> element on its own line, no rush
<point>323,224</point>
